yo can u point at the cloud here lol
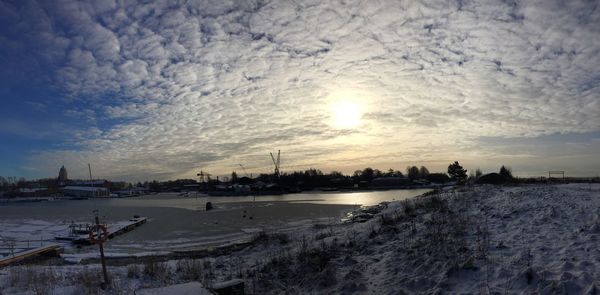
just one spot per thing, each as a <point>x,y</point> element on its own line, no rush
<point>209,84</point>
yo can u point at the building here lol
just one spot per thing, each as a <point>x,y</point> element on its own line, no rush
<point>33,192</point>
<point>97,182</point>
<point>62,174</point>
<point>85,191</point>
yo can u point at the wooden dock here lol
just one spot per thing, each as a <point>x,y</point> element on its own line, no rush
<point>53,249</point>
<point>126,226</point>
<point>114,230</point>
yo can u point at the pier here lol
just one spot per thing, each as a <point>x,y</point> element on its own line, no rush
<point>115,229</point>
<point>53,249</point>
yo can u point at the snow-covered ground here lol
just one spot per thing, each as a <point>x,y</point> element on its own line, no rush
<point>483,239</point>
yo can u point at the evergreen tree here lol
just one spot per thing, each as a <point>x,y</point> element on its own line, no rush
<point>457,173</point>
<point>506,172</point>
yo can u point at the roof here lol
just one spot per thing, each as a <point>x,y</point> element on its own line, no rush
<point>93,182</point>
<point>32,190</point>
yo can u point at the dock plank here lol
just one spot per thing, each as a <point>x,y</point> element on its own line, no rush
<point>30,254</point>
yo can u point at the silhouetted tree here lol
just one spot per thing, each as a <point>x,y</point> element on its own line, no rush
<point>154,186</point>
<point>234,177</point>
<point>423,172</point>
<point>377,173</point>
<point>457,173</point>
<point>356,176</point>
<point>22,182</point>
<point>412,172</point>
<point>312,178</point>
<point>393,173</point>
<point>3,184</point>
<point>336,174</point>
<point>368,174</point>
<point>506,172</point>
<point>438,177</point>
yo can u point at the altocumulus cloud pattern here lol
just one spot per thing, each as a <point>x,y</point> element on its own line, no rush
<point>165,87</point>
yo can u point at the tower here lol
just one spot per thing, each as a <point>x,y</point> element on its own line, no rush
<point>62,174</point>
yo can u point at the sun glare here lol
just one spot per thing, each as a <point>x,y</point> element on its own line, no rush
<point>346,114</point>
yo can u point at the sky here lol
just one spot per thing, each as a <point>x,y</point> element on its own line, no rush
<point>163,89</point>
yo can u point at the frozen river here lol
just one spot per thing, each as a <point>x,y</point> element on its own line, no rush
<point>177,222</point>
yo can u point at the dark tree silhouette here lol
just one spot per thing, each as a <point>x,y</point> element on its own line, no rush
<point>368,174</point>
<point>457,173</point>
<point>392,173</point>
<point>423,172</point>
<point>506,172</point>
<point>412,172</point>
<point>438,177</point>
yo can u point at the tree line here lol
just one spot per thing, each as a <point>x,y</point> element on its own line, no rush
<point>309,178</point>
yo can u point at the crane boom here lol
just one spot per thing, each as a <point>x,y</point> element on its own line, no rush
<point>244,169</point>
<point>276,163</point>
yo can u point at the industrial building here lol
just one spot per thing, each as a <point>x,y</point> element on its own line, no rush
<point>85,191</point>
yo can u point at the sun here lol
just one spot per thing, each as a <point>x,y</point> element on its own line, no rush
<point>346,114</point>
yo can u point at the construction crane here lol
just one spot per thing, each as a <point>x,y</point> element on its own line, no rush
<point>276,163</point>
<point>203,174</point>
<point>245,172</point>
